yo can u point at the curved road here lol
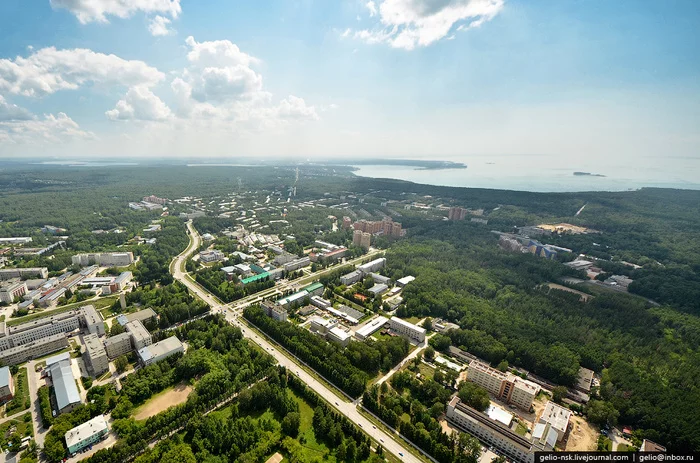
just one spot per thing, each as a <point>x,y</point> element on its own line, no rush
<point>348,409</point>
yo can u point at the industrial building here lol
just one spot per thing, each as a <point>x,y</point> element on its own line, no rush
<point>160,350</point>
<point>64,386</point>
<point>406,329</point>
<point>118,345</point>
<point>506,386</point>
<point>86,434</point>
<point>104,259</point>
<point>95,354</point>
<point>370,328</point>
<point>7,385</point>
<point>140,337</point>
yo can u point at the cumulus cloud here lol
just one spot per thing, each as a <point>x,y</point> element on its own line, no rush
<point>88,11</point>
<point>159,26</point>
<point>12,112</point>
<point>140,103</point>
<point>407,24</point>
<point>217,53</point>
<point>51,129</point>
<point>49,70</point>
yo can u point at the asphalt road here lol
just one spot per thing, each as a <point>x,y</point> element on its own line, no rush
<point>349,409</point>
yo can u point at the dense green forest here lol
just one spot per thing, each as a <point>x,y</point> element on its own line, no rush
<point>649,355</point>
<point>349,369</point>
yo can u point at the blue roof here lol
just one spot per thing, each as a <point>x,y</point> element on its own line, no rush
<point>64,386</point>
<point>4,376</point>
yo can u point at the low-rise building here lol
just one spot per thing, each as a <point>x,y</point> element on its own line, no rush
<point>320,302</point>
<point>380,279</point>
<point>293,299</point>
<point>557,417</point>
<point>213,255</point>
<point>378,289</point>
<point>370,328</point>
<point>95,354</point>
<point>407,329</point>
<point>64,386</point>
<point>118,345</point>
<point>140,337</point>
<point>296,264</point>
<point>322,325</point>
<point>372,266</point>
<point>442,326</point>
<point>649,446</point>
<point>86,434</point>
<point>160,350</point>
<point>7,385</point>
<point>339,336</point>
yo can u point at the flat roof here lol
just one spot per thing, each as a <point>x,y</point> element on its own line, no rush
<point>4,376</point>
<point>160,348</point>
<point>340,333</point>
<point>405,280</point>
<point>407,324</point>
<point>116,339</point>
<point>137,330</point>
<point>94,345</point>
<point>500,415</point>
<point>86,430</point>
<point>372,326</point>
<point>141,315</point>
<point>556,415</point>
<point>493,425</point>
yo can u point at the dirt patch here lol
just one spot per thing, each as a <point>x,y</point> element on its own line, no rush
<point>163,401</point>
<point>582,435</point>
<point>276,458</point>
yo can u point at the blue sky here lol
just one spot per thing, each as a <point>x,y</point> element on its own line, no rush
<point>410,78</point>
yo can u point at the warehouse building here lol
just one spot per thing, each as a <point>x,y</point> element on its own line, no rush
<point>64,386</point>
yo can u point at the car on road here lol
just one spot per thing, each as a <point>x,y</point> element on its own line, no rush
<point>359,424</point>
<point>374,427</point>
<point>400,454</point>
<point>381,440</point>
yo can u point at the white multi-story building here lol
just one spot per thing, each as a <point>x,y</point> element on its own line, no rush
<point>118,345</point>
<point>95,354</point>
<point>492,432</point>
<point>213,255</point>
<point>140,337</point>
<point>372,266</point>
<point>296,264</point>
<point>407,329</point>
<point>505,386</point>
<point>160,350</point>
<point>36,272</point>
<point>339,336</point>
<point>351,278</point>
<point>104,259</point>
<point>34,349</point>
<point>557,417</point>
<point>10,291</point>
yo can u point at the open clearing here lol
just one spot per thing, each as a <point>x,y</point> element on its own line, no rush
<point>583,296</point>
<point>162,401</point>
<point>582,435</point>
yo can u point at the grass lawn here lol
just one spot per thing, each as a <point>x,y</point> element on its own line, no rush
<point>413,320</point>
<point>21,400</point>
<point>426,370</point>
<point>312,449</point>
<point>520,429</point>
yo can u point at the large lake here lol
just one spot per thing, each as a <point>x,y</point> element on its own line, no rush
<point>511,173</point>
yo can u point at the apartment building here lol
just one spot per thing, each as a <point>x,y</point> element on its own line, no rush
<point>492,432</point>
<point>12,290</point>
<point>118,345</point>
<point>505,386</point>
<point>140,337</point>
<point>160,350</point>
<point>34,349</point>
<point>406,329</point>
<point>95,354</point>
<point>36,272</point>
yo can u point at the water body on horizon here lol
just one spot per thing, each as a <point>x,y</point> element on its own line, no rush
<point>538,175</point>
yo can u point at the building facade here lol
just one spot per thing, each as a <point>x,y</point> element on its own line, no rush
<point>140,337</point>
<point>104,259</point>
<point>34,349</point>
<point>95,354</point>
<point>7,385</point>
<point>35,272</point>
<point>505,386</point>
<point>118,345</point>
<point>86,434</point>
<point>11,291</point>
<point>406,329</point>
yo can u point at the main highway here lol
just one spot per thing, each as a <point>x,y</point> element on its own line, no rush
<point>349,409</point>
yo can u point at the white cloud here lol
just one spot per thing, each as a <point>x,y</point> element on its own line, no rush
<point>88,11</point>
<point>50,129</point>
<point>217,53</point>
<point>12,112</point>
<point>49,70</point>
<point>140,103</point>
<point>410,23</point>
<point>159,26</point>
<point>372,7</point>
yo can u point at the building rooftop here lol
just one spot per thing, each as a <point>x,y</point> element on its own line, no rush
<point>81,432</point>
<point>372,326</point>
<point>585,377</point>
<point>500,415</point>
<point>340,333</point>
<point>93,345</point>
<point>57,358</point>
<point>556,415</point>
<point>137,330</point>
<point>407,324</point>
<point>545,434</point>
<point>494,426</point>
<point>5,376</point>
<point>160,348</point>
<point>64,386</point>
<point>141,315</point>
<point>117,339</point>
